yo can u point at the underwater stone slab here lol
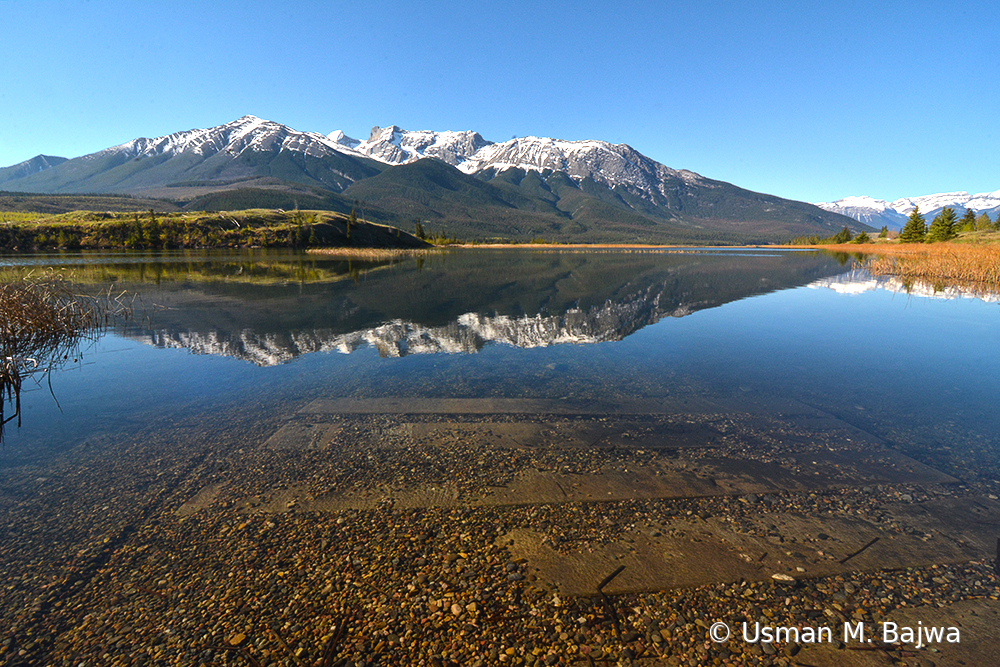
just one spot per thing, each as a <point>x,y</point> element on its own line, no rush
<point>486,406</point>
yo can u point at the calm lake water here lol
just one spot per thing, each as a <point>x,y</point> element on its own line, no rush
<point>427,453</point>
<point>218,332</point>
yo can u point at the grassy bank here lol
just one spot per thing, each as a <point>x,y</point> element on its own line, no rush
<point>152,230</point>
<point>970,262</point>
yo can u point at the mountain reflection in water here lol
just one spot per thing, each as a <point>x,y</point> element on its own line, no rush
<point>269,311</point>
<point>859,281</point>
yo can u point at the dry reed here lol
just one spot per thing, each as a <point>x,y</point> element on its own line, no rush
<point>42,323</point>
<point>373,253</point>
<point>975,268</point>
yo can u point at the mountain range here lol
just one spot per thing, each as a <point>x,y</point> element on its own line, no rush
<point>453,182</point>
<point>878,213</point>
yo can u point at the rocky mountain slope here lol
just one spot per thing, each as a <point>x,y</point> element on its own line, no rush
<point>35,165</point>
<point>245,149</point>
<point>585,191</point>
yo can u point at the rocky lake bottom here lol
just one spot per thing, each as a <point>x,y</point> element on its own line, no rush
<point>510,459</point>
<point>465,532</point>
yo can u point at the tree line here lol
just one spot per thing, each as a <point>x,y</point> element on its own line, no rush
<point>945,226</point>
<point>153,232</point>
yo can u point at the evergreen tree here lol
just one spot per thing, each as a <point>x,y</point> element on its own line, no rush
<point>968,221</point>
<point>135,238</point>
<point>983,223</point>
<point>419,233</point>
<point>151,235</point>
<point>862,238</point>
<point>843,236</point>
<point>915,229</point>
<point>943,227</point>
<point>884,234</point>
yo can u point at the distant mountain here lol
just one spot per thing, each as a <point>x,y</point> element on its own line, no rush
<point>245,149</point>
<point>877,212</point>
<point>612,165</point>
<point>931,205</point>
<point>587,191</point>
<point>571,190</point>
<point>874,212</point>
<point>395,146</point>
<point>35,165</point>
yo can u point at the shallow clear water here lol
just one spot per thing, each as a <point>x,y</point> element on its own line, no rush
<point>222,330</point>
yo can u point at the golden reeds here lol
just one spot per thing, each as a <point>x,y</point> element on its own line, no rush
<point>373,253</point>
<point>971,267</point>
<point>42,323</point>
<point>974,268</point>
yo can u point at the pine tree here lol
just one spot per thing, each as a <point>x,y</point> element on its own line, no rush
<point>135,239</point>
<point>968,221</point>
<point>151,232</point>
<point>983,223</point>
<point>915,229</point>
<point>943,227</point>
<point>843,236</point>
<point>884,234</point>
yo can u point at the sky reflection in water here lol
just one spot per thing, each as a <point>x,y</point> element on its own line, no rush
<point>271,331</point>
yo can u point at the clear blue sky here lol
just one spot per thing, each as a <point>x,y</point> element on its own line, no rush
<point>807,100</point>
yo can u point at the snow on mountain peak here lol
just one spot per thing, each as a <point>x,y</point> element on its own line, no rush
<point>861,201</point>
<point>245,133</point>
<point>610,164</point>
<point>338,137</point>
<point>614,165</point>
<point>877,212</point>
<point>393,145</point>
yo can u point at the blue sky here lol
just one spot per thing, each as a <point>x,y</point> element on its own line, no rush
<point>807,100</point>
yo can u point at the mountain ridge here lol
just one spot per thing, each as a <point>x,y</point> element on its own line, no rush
<point>878,212</point>
<point>587,191</point>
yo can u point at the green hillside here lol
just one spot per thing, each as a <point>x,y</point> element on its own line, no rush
<point>178,230</point>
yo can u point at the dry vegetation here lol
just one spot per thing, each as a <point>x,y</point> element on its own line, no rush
<point>969,266</point>
<point>42,323</point>
<point>373,253</point>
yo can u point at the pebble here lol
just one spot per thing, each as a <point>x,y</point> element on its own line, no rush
<point>96,581</point>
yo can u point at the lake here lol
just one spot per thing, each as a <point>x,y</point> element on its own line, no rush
<point>302,457</point>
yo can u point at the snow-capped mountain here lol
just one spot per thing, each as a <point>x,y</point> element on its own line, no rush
<point>585,191</point>
<point>959,201</point>
<point>877,212</point>
<point>242,150</point>
<point>874,212</point>
<point>243,134</point>
<point>609,164</point>
<point>392,145</point>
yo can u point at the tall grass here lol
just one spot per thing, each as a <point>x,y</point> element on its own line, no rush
<point>373,253</point>
<point>42,324</point>
<point>971,267</point>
